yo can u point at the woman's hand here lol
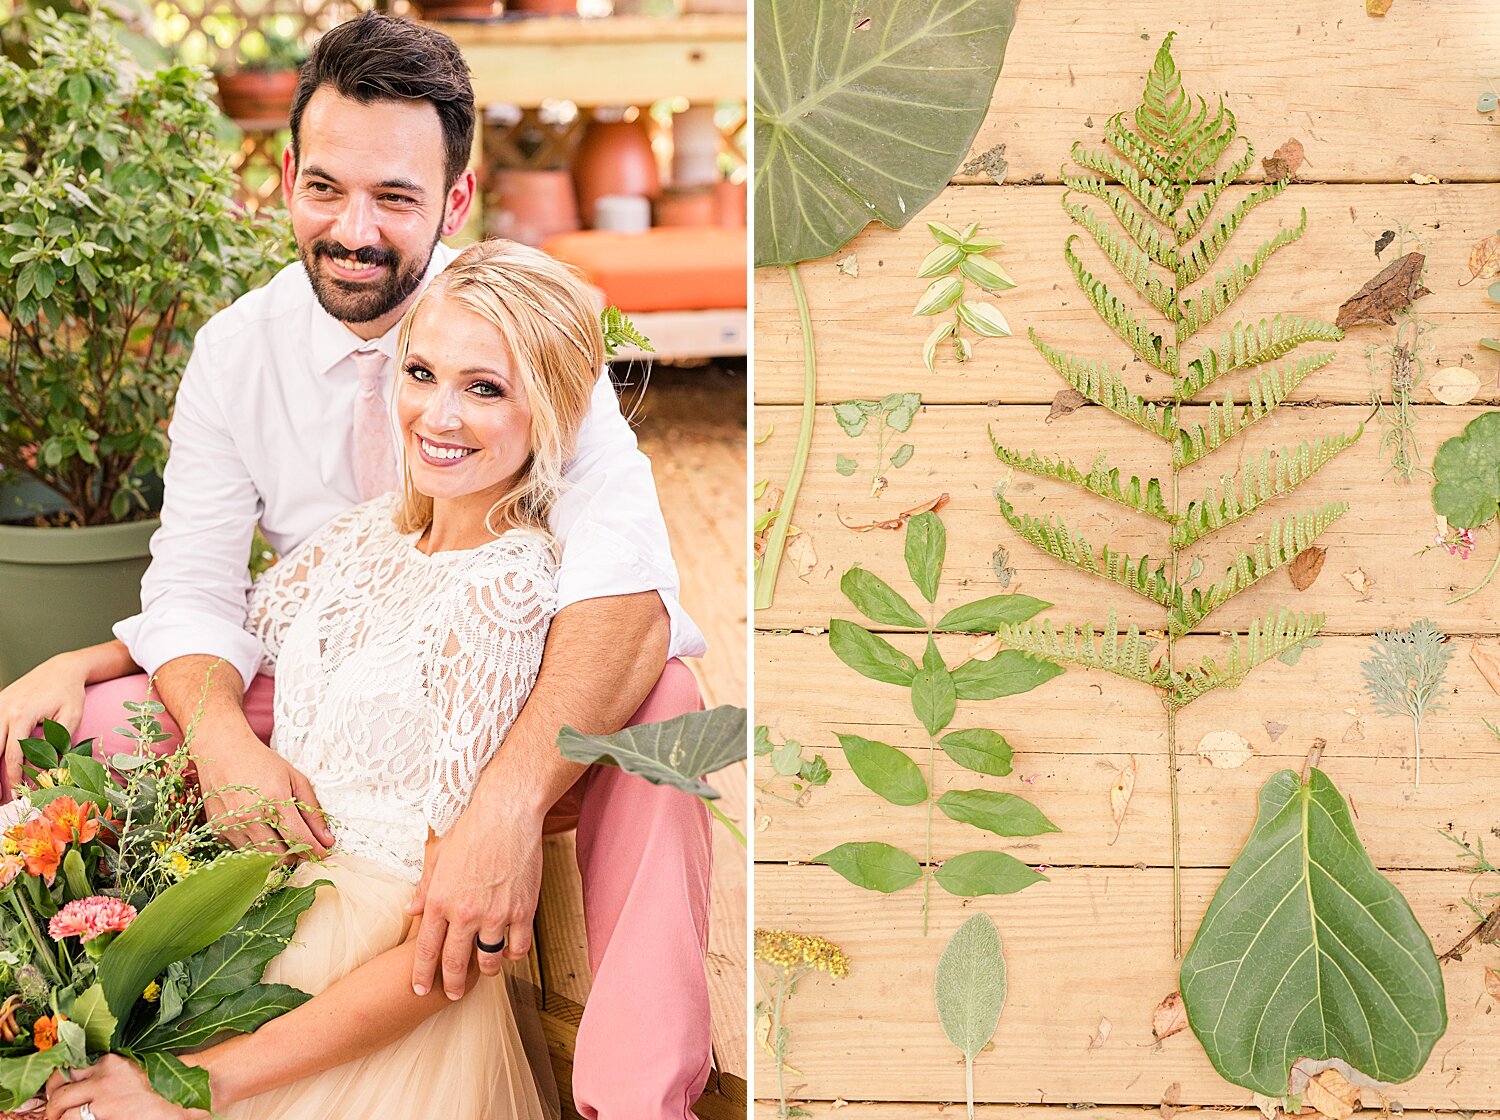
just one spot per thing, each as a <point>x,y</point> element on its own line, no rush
<point>53,690</point>
<point>114,1088</point>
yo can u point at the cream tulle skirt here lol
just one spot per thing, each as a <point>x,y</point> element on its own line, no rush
<point>482,1058</point>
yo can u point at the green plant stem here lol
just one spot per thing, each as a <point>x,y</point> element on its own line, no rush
<point>37,941</point>
<point>1489,575</point>
<point>969,1084</point>
<point>765,581</point>
<point>781,995</point>
<point>1416,731</point>
<point>929,873</point>
<point>726,822</point>
<point>1179,280</point>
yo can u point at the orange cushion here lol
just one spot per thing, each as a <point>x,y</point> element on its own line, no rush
<point>670,269</point>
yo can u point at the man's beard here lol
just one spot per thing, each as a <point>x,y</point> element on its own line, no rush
<point>352,301</point>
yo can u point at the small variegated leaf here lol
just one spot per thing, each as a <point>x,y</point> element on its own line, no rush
<point>986,273</point>
<point>983,318</point>
<point>941,294</point>
<point>940,260</point>
<point>929,348</point>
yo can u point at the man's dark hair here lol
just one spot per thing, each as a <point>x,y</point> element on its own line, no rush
<point>377,57</point>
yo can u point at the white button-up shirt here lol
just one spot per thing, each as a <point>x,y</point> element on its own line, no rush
<point>262,432</point>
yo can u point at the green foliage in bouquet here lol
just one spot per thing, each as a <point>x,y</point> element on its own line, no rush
<point>1165,240</point>
<point>129,927</point>
<point>935,690</point>
<point>119,237</point>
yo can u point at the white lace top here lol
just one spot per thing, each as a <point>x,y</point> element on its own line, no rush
<point>398,674</point>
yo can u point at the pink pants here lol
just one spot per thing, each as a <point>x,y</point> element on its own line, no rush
<point>644,855</point>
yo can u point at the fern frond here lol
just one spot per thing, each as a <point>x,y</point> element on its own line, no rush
<point>1143,157</point>
<point>1142,189</point>
<point>1231,283</point>
<point>1226,419</point>
<point>1207,142</point>
<point>1200,256</point>
<point>1160,247</point>
<point>1118,316</point>
<point>1131,262</point>
<point>1287,537</point>
<point>1280,631</point>
<point>1251,344</point>
<point>1192,219</point>
<point>1101,480</point>
<point>1165,110</point>
<point>1270,475</point>
<point>1128,656</point>
<point>1104,387</point>
<point>1058,541</point>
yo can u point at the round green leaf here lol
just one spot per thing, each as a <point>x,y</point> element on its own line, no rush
<point>864,112</point>
<point>877,600</point>
<point>1004,814</point>
<point>873,865</point>
<point>977,873</point>
<point>985,616</point>
<point>926,545</point>
<point>868,655</point>
<point>884,769</point>
<point>1307,951</point>
<point>979,750</point>
<point>1008,673</point>
<point>1467,467</point>
<point>933,699</point>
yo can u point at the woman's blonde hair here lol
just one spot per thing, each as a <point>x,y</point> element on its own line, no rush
<point>545,313</point>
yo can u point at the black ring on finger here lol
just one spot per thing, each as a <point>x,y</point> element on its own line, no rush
<point>486,947</point>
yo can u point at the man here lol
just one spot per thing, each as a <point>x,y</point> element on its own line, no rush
<point>281,420</point>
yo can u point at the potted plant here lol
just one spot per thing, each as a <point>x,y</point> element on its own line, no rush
<point>119,235</point>
<point>260,88</point>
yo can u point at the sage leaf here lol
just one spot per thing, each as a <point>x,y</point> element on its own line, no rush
<point>942,259</point>
<point>986,273</point>
<point>902,455</point>
<point>851,417</point>
<point>929,348</point>
<point>868,655</point>
<point>983,318</point>
<point>872,865</point>
<point>1307,951</point>
<point>984,752</point>
<point>970,990</point>
<point>926,545</point>
<point>933,699</point>
<point>940,295</point>
<point>1004,814</point>
<point>1008,673</point>
<point>985,616</point>
<point>885,770</point>
<point>878,600</point>
<point>845,465</point>
<point>979,873</point>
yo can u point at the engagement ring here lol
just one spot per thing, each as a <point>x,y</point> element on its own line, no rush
<point>87,1112</point>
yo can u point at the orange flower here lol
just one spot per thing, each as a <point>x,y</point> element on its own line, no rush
<point>40,849</point>
<point>10,867</point>
<point>44,1031</point>
<point>73,821</point>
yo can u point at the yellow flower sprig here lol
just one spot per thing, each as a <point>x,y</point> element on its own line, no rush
<point>791,956</point>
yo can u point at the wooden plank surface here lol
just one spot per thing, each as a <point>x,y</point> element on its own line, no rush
<point>1373,102</point>
<point>949,1110</point>
<point>1311,277</point>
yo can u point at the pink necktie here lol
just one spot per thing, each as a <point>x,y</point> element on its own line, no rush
<point>374,460</point>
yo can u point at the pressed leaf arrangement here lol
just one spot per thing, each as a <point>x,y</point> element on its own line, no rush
<point>970,990</point>
<point>958,260</point>
<point>893,412</point>
<point>935,690</point>
<point>1164,244</point>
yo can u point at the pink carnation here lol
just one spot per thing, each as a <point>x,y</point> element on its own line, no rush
<point>87,918</point>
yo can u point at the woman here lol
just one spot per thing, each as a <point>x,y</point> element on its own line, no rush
<point>405,637</point>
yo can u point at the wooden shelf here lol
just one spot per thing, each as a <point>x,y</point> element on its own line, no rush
<point>618,60</point>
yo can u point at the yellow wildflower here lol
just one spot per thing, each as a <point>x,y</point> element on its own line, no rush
<point>152,992</point>
<point>789,950</point>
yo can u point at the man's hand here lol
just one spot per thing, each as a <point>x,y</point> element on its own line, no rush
<point>114,1088</point>
<point>481,884</point>
<point>53,690</point>
<point>236,771</point>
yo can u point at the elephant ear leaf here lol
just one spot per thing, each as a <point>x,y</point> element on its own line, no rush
<point>1308,951</point>
<point>676,752</point>
<point>864,112</point>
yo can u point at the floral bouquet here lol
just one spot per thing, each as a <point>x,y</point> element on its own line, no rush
<point>126,925</point>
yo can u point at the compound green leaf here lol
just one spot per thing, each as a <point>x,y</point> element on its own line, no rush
<point>985,616</point>
<point>877,600</point>
<point>1308,951</point>
<point>926,546</point>
<point>1004,814</point>
<point>1008,673</point>
<point>869,655</point>
<point>884,769</point>
<point>977,873</point>
<point>872,865</point>
<point>984,752</point>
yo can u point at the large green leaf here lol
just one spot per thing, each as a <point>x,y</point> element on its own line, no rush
<point>1008,673</point>
<point>676,752</point>
<point>183,1085</point>
<point>863,112</point>
<point>868,654</point>
<point>1467,467</point>
<point>884,769</point>
<point>1308,951</point>
<point>185,918</point>
<point>873,865</point>
<point>20,1078</point>
<point>240,1013</point>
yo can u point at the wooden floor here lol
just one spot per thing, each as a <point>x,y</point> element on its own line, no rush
<point>1373,101</point>
<point>691,423</point>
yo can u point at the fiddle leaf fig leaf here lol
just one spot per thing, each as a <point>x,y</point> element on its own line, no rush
<point>869,655</point>
<point>872,865</point>
<point>970,988</point>
<point>926,545</point>
<point>865,114</point>
<point>978,873</point>
<point>1467,467</point>
<point>984,752</point>
<point>884,769</point>
<point>1307,951</point>
<point>877,600</point>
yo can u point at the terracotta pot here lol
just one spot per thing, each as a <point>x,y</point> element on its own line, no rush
<point>542,7</point>
<point>531,206</point>
<point>729,198</point>
<point>687,206</point>
<point>457,9</point>
<point>614,157</point>
<point>257,95</point>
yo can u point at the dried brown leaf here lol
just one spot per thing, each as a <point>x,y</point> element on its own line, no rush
<point>1101,1036</point>
<point>1120,794</point>
<point>1305,567</point>
<point>1225,750</point>
<point>1484,259</point>
<point>1486,657</point>
<point>1169,1017</point>
<point>1492,982</point>
<point>900,520</point>
<point>1360,582</point>
<point>1284,161</point>
<point>1065,403</point>
<point>1454,385</point>
<point>849,266</point>
<point>1171,1097</point>
<point>1332,1095</point>
<point>1274,729</point>
<point>801,554</point>
<point>985,647</point>
<point>1394,288</point>
<point>1377,7</point>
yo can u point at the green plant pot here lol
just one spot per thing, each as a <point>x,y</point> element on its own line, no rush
<point>64,588</point>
